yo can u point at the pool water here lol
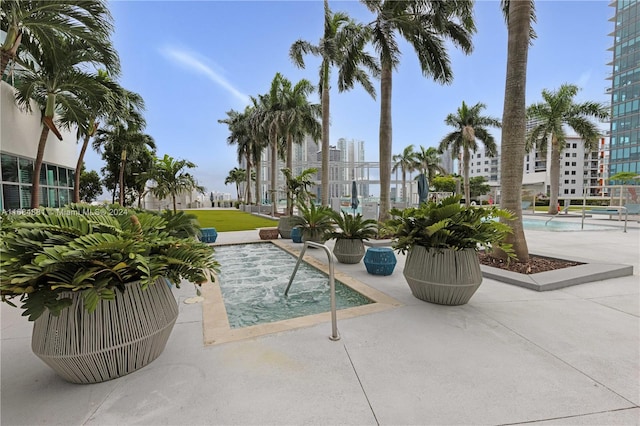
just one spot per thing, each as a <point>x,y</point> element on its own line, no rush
<point>558,225</point>
<point>253,278</point>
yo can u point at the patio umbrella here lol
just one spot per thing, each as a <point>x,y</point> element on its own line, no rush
<point>423,188</point>
<point>354,196</point>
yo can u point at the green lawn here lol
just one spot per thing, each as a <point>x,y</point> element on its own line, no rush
<point>231,220</point>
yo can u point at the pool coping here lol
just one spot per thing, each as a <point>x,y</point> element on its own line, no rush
<point>215,323</point>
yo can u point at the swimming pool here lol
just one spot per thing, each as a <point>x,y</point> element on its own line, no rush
<point>253,278</point>
<point>560,225</point>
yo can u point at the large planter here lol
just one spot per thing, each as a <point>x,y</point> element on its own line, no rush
<point>348,250</point>
<point>313,235</point>
<point>119,337</point>
<point>284,226</point>
<point>445,277</point>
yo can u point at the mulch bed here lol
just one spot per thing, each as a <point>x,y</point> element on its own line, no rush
<point>536,264</point>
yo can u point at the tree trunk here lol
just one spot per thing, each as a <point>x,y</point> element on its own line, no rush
<point>467,191</point>
<point>123,160</point>
<point>76,183</point>
<point>386,141</point>
<point>324,183</point>
<point>554,175</point>
<point>290,167</point>
<point>258,183</point>
<point>173,197</point>
<point>247,190</point>
<point>513,124</point>
<point>404,187</point>
<point>274,175</point>
<point>37,165</point>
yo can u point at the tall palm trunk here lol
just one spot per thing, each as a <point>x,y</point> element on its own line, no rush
<point>247,191</point>
<point>290,167</point>
<point>325,136</point>
<point>467,190</point>
<point>258,182</point>
<point>513,124</point>
<point>76,180</point>
<point>554,175</point>
<point>274,175</point>
<point>123,160</point>
<point>386,142</point>
<point>37,165</point>
<point>173,197</point>
<point>404,186</point>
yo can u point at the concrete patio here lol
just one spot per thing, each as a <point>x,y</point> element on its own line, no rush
<point>510,356</point>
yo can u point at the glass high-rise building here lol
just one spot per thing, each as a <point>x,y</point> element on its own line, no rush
<point>625,89</point>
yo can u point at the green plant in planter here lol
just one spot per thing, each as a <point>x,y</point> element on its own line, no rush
<point>349,247</point>
<point>95,251</point>
<point>314,221</point>
<point>442,239</point>
<point>449,225</point>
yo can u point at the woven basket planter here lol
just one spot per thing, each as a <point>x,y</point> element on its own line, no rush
<point>445,277</point>
<point>348,250</point>
<point>268,233</point>
<point>119,337</point>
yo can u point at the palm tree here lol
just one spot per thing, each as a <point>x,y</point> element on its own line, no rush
<point>114,106</point>
<point>241,134</point>
<point>269,119</point>
<point>125,139</point>
<point>426,25</point>
<point>405,162</point>
<point>342,45</point>
<point>172,180</point>
<point>428,162</point>
<point>57,81</point>
<point>236,176</point>
<point>470,126</point>
<point>519,16</point>
<point>36,26</point>
<point>301,119</point>
<point>558,110</point>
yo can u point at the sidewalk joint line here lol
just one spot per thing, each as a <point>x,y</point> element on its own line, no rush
<point>361,386</point>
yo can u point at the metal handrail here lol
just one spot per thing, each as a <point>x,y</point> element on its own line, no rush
<point>332,285</point>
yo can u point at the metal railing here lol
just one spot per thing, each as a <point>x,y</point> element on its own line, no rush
<point>332,285</point>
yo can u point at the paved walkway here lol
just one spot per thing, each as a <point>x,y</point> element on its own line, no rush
<point>510,356</point>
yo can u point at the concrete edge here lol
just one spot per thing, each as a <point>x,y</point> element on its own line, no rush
<point>560,278</point>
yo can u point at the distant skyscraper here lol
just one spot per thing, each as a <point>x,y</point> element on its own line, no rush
<point>625,89</point>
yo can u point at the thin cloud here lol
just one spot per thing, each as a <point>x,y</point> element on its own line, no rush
<point>193,62</point>
<point>583,79</point>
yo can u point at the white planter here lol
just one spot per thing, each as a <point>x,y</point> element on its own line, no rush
<point>348,250</point>
<point>119,337</point>
<point>445,277</point>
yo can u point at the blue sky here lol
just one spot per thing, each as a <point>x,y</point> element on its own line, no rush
<point>194,60</point>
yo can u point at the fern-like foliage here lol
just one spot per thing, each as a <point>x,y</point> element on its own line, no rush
<point>449,225</point>
<point>95,251</point>
<point>353,226</point>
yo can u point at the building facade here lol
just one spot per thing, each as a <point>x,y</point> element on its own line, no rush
<point>624,153</point>
<point>19,136</point>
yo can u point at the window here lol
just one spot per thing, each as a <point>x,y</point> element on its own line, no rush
<point>566,181</point>
<point>567,155</point>
<point>573,181</point>
<point>566,172</point>
<point>573,172</point>
<point>573,163</point>
<point>10,196</point>
<point>26,171</point>
<point>566,191</point>
<point>566,163</point>
<point>574,154</point>
<point>573,191</point>
<point>575,145</point>
<point>9,169</point>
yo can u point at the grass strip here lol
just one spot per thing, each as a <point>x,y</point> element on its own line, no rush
<point>231,220</point>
